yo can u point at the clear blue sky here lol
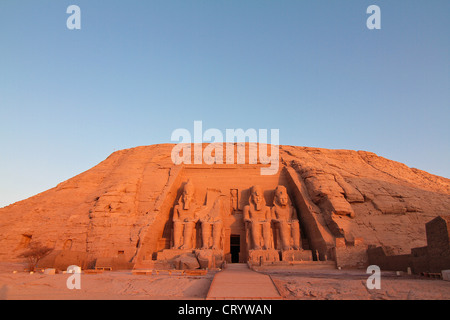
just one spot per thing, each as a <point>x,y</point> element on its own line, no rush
<point>137,70</point>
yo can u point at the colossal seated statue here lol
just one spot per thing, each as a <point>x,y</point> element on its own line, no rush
<point>184,217</point>
<point>212,221</point>
<point>257,216</point>
<point>284,217</point>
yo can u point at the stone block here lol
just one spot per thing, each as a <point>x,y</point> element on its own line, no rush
<point>352,257</point>
<point>257,256</point>
<point>445,275</point>
<point>50,271</point>
<point>187,261</point>
<point>208,258</point>
<point>170,254</point>
<point>297,255</point>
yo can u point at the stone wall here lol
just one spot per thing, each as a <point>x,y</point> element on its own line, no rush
<point>377,256</point>
<point>351,254</point>
<point>433,258</point>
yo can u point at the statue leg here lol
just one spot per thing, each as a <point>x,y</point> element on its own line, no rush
<point>177,230</point>
<point>266,235</point>
<point>217,233</point>
<point>188,229</point>
<point>256,235</point>
<point>206,234</point>
<point>285,235</point>
<point>295,229</point>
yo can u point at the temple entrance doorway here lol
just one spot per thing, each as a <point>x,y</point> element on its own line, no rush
<point>235,248</point>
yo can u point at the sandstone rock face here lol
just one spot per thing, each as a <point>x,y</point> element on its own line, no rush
<point>123,207</point>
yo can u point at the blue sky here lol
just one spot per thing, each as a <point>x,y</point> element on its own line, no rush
<point>137,70</point>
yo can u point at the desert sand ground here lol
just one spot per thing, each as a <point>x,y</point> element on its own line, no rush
<point>292,284</point>
<point>352,284</point>
<point>120,285</point>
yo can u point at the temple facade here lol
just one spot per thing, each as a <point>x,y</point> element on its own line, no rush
<point>214,217</point>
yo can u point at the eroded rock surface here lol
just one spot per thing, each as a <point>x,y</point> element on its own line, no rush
<point>126,200</point>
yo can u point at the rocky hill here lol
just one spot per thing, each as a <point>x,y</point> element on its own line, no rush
<point>122,205</point>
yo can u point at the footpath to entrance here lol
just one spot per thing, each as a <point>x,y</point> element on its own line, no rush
<point>237,281</point>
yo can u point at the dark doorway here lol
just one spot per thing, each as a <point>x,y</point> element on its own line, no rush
<point>235,248</point>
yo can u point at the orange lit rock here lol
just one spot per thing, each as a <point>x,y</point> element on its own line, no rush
<point>123,207</point>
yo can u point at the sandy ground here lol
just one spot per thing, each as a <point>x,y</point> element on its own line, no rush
<point>352,285</point>
<point>292,284</point>
<point>121,285</point>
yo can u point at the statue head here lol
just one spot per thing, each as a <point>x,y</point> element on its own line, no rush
<point>187,197</point>
<point>281,196</point>
<point>257,197</point>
